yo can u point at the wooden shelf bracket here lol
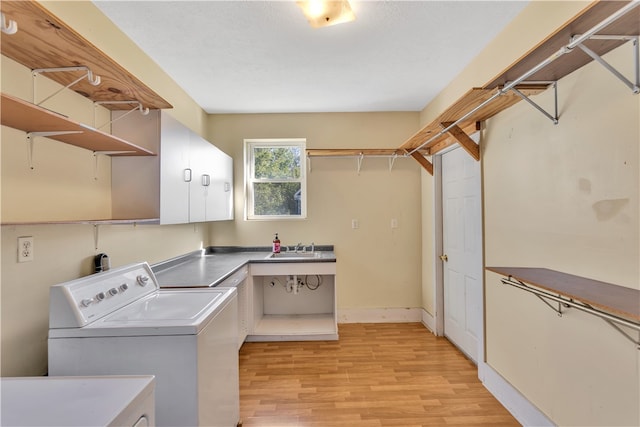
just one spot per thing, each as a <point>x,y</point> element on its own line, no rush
<point>10,27</point>
<point>634,86</point>
<point>426,164</point>
<point>567,302</point>
<point>91,78</point>
<point>464,140</point>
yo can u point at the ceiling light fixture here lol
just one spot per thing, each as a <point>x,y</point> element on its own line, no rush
<point>323,13</point>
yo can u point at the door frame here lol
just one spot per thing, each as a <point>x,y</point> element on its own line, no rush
<point>438,250</point>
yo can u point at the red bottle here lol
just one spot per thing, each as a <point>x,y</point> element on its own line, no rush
<point>276,245</point>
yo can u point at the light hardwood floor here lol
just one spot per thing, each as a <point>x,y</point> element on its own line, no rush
<point>383,374</point>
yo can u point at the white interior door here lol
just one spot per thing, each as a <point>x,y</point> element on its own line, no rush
<point>462,250</point>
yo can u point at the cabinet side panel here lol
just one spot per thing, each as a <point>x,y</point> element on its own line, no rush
<point>135,184</point>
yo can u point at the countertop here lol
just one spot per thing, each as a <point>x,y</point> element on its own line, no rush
<point>211,266</point>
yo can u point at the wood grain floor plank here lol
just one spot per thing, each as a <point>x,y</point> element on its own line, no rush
<point>376,375</point>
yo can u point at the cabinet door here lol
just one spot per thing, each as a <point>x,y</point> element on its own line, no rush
<point>174,167</point>
<point>201,158</point>
<point>220,195</point>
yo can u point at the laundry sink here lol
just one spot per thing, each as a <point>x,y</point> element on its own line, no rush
<point>295,255</point>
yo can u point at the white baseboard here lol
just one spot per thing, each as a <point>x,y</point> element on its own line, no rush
<point>379,315</point>
<point>429,321</point>
<point>516,403</point>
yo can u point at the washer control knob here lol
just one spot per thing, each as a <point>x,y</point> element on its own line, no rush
<point>87,302</point>
<point>113,291</point>
<point>142,280</point>
<point>124,287</point>
<point>100,296</point>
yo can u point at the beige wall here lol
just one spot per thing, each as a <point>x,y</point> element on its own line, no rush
<point>65,185</point>
<point>378,267</point>
<point>563,197</point>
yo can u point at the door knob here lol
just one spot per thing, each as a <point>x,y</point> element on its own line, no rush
<point>444,257</point>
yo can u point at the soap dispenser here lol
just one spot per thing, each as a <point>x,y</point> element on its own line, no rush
<point>276,245</point>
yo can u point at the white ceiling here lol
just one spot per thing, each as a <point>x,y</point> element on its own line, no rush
<point>263,57</point>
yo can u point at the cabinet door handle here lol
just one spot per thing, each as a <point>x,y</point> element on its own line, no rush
<point>206,180</point>
<point>187,175</point>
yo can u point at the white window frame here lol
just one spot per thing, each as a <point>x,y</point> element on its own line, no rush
<point>249,144</point>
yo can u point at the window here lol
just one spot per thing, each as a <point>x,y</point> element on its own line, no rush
<point>275,178</point>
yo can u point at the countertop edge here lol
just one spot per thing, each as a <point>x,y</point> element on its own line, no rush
<point>261,257</point>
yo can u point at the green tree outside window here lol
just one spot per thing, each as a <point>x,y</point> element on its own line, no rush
<point>276,179</point>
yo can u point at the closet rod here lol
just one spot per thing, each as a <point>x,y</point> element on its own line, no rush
<point>571,303</point>
<point>563,50</point>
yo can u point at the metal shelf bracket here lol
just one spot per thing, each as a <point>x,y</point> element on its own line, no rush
<point>634,86</point>
<point>10,27</point>
<point>93,79</point>
<point>554,85</point>
<point>360,159</point>
<point>31,136</point>
<point>545,296</point>
<point>392,160</point>
<point>138,107</point>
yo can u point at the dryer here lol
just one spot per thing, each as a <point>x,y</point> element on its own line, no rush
<point>109,401</point>
<point>120,322</point>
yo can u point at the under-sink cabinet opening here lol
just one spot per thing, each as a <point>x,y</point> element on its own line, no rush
<point>297,306</point>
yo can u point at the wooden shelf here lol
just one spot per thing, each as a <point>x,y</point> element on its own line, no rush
<point>44,41</point>
<point>472,99</point>
<point>88,221</point>
<point>19,114</point>
<point>629,24</point>
<point>610,298</point>
<point>596,12</point>
<point>354,152</point>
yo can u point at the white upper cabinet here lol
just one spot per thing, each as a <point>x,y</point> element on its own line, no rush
<point>174,171</point>
<point>190,180</point>
<point>210,196</point>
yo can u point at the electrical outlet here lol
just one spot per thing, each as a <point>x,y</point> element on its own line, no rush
<point>25,249</point>
<point>394,223</point>
<point>354,224</point>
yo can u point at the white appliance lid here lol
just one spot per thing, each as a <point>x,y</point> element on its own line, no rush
<point>162,306</point>
<point>165,312</point>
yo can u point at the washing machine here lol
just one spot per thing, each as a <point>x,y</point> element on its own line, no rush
<point>120,322</point>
